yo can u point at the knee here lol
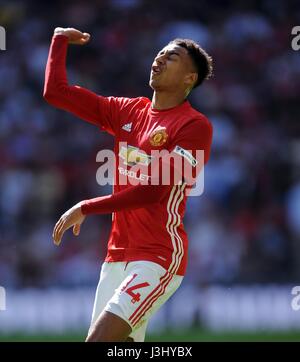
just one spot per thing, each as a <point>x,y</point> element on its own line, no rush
<point>109,328</point>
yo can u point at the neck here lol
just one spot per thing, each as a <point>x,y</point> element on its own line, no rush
<point>164,100</point>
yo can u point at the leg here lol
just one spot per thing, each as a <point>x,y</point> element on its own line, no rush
<point>149,305</point>
<point>109,328</point>
<point>110,279</point>
<point>145,287</point>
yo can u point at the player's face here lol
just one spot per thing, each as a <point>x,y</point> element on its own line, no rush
<point>172,69</point>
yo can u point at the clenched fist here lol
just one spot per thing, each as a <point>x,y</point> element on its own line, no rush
<point>75,36</point>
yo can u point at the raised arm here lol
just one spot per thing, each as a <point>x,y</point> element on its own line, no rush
<point>75,99</point>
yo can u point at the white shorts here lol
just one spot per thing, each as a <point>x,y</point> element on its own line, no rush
<point>134,291</point>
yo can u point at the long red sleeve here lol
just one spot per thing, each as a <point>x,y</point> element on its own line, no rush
<point>134,197</point>
<point>102,111</point>
<point>80,101</point>
<point>111,113</point>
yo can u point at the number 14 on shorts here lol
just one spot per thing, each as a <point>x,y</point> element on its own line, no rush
<point>130,289</point>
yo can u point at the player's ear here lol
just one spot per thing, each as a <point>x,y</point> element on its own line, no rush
<point>191,79</point>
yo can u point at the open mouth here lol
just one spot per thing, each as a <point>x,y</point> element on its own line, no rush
<point>156,69</point>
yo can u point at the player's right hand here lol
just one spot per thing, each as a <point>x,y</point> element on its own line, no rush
<point>75,36</point>
<point>71,218</point>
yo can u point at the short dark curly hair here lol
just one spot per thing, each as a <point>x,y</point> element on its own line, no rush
<point>202,61</point>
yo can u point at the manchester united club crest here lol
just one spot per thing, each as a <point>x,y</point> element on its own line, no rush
<point>158,137</point>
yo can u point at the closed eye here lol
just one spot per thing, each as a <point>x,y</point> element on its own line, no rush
<point>169,54</point>
<point>173,53</point>
<point>173,56</point>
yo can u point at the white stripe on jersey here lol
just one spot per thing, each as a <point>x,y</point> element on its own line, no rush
<point>175,226</point>
<point>174,220</point>
<point>169,207</point>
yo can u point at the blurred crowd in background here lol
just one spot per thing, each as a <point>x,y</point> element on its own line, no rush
<point>245,228</point>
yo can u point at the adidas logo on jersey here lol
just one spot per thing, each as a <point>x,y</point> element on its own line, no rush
<point>127,127</point>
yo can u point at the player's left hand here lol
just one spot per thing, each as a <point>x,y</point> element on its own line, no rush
<point>73,217</point>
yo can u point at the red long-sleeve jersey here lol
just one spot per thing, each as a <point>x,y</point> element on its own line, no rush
<point>147,219</point>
